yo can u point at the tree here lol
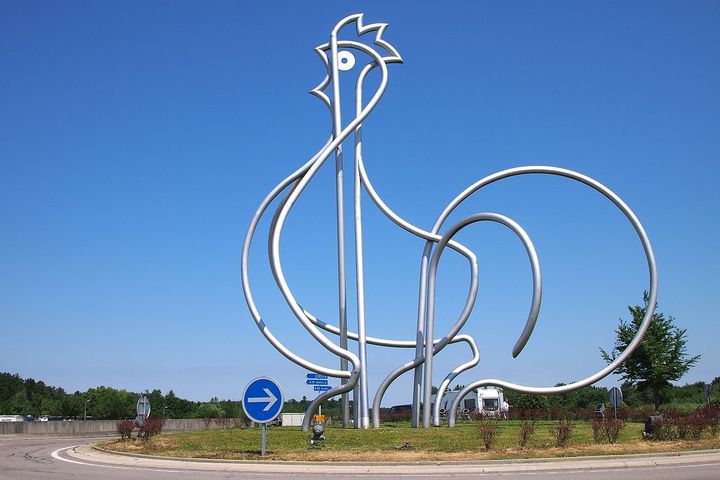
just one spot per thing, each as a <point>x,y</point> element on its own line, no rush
<point>49,407</point>
<point>72,406</point>
<point>631,397</point>
<point>586,397</point>
<point>157,403</point>
<point>661,357</point>
<point>19,404</point>
<point>178,407</point>
<point>524,401</point>
<point>208,410</point>
<point>106,403</point>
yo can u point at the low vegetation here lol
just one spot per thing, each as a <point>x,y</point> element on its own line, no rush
<point>607,430</point>
<point>152,426</point>
<point>398,442</point>
<point>488,430</point>
<point>125,429</point>
<point>527,430</point>
<point>562,431</point>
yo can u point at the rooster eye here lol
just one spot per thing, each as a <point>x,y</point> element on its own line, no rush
<point>346,60</point>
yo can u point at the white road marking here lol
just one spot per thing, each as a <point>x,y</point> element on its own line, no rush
<point>373,474</point>
<point>56,456</point>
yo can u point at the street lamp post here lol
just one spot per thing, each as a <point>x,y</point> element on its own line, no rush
<point>85,414</point>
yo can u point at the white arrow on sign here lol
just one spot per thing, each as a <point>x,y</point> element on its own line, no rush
<point>270,399</point>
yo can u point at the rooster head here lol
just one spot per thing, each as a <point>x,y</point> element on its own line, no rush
<point>353,45</point>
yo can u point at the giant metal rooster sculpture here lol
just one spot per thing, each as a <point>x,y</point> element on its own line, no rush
<point>343,54</point>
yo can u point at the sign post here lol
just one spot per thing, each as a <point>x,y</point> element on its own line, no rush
<point>263,402</point>
<point>319,382</point>
<point>708,393</point>
<point>143,410</point>
<point>616,399</point>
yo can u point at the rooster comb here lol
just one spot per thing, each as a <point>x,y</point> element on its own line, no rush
<point>362,29</point>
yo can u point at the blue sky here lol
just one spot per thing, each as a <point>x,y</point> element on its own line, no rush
<point>137,139</point>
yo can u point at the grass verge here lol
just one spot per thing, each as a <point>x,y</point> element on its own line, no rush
<point>383,444</point>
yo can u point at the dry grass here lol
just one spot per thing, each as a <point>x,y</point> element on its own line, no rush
<point>381,445</point>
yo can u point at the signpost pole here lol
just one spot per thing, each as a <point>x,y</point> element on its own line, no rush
<point>319,383</point>
<point>263,442</point>
<point>708,393</point>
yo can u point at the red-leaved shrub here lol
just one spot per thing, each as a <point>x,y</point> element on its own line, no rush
<point>488,430</point>
<point>153,425</point>
<point>612,428</point>
<point>527,429</point>
<point>125,429</point>
<point>562,431</point>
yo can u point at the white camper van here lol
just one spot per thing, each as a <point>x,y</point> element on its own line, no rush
<point>484,400</point>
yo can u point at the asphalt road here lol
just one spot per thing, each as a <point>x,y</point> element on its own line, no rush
<point>33,458</point>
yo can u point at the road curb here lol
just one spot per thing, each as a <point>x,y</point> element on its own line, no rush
<point>481,466</point>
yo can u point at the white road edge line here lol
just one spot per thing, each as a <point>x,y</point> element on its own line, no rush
<point>56,456</point>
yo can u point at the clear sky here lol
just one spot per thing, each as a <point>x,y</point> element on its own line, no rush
<point>138,138</point>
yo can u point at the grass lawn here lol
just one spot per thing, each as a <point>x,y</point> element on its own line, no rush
<point>440,443</point>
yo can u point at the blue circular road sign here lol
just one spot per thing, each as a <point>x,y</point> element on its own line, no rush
<point>262,400</point>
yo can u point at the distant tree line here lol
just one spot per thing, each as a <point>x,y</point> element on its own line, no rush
<point>19,396</point>
<point>687,397</point>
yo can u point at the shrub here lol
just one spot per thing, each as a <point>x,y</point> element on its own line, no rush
<point>691,426</point>
<point>671,412</point>
<point>710,419</point>
<point>551,413</point>
<point>611,429</point>
<point>403,415</point>
<point>223,422</point>
<point>688,427</point>
<point>585,414</point>
<point>562,431</point>
<point>682,426</point>
<point>712,415</point>
<point>527,429</point>
<point>488,431</point>
<point>664,430</point>
<point>125,429</point>
<point>713,425</point>
<point>528,414</point>
<point>153,425</point>
<point>207,421</point>
<point>635,414</point>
